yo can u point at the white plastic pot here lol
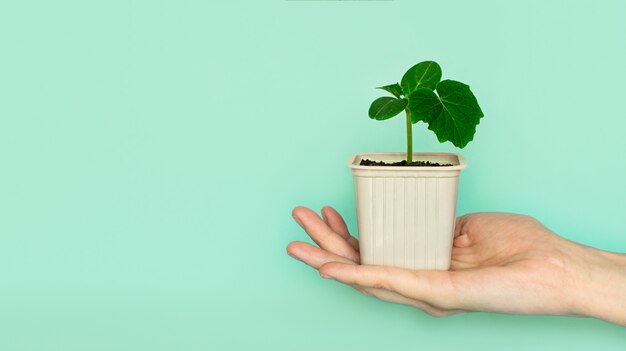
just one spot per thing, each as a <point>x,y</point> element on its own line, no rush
<point>406,215</point>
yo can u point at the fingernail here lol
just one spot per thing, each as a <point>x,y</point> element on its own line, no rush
<point>298,221</point>
<point>325,276</point>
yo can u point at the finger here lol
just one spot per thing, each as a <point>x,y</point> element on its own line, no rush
<point>433,287</point>
<point>462,241</point>
<point>313,255</point>
<point>335,221</point>
<point>326,238</point>
<point>393,297</point>
<point>457,264</point>
<point>459,225</point>
<point>461,237</point>
<point>338,225</point>
<point>316,257</point>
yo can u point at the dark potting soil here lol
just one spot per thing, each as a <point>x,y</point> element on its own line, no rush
<point>366,162</point>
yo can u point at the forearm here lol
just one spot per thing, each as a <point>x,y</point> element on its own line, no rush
<point>602,285</point>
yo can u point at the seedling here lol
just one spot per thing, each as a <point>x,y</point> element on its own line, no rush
<point>448,107</point>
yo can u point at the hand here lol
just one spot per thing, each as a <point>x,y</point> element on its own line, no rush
<point>501,262</point>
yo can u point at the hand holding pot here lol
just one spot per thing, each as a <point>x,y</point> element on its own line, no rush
<point>501,262</point>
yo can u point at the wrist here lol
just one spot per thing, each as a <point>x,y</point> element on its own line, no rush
<point>600,284</point>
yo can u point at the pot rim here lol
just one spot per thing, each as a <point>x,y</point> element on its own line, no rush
<point>457,160</point>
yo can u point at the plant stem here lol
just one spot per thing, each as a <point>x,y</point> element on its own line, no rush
<point>409,137</point>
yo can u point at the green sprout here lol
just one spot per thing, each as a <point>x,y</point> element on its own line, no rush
<point>448,107</point>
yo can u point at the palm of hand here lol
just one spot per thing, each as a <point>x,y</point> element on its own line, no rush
<point>500,262</point>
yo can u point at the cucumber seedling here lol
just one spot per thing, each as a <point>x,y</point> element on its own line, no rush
<point>448,107</point>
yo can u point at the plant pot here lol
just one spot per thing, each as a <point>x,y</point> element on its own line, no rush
<point>406,215</point>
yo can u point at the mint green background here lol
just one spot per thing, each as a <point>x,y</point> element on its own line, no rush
<point>151,153</point>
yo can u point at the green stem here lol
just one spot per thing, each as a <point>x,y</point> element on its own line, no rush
<point>409,137</point>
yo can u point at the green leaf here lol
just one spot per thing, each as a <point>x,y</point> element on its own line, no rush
<point>386,107</point>
<point>423,75</point>
<point>394,89</point>
<point>424,105</point>
<point>453,115</point>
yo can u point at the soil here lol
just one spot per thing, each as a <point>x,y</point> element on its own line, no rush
<point>366,162</point>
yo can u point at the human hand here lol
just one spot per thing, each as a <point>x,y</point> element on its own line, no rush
<point>501,262</point>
